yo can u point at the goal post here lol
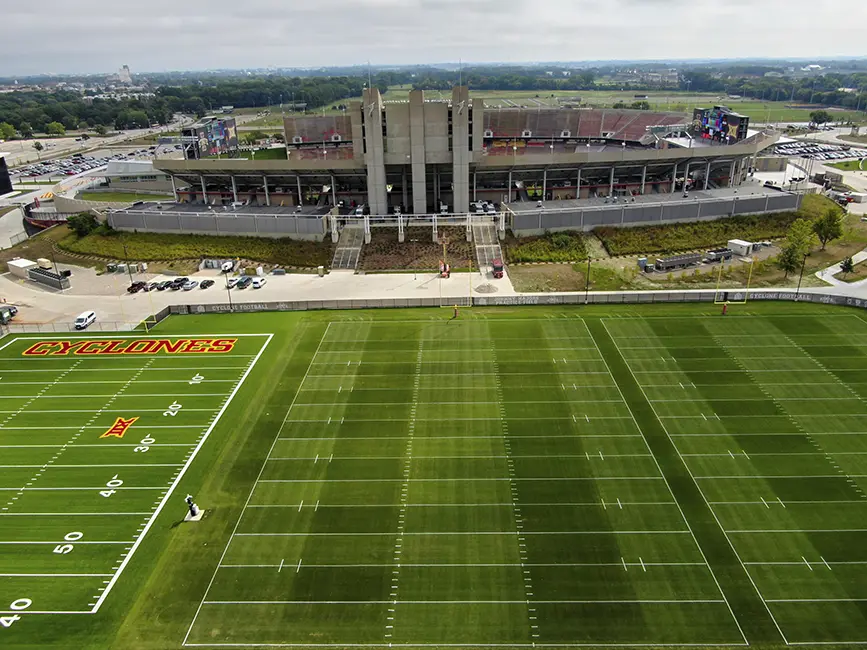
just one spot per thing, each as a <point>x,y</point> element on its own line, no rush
<point>733,296</point>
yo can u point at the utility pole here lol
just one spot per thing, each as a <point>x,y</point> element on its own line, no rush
<point>801,277</point>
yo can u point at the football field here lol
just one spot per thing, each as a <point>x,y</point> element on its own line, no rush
<point>516,477</point>
<point>95,432</point>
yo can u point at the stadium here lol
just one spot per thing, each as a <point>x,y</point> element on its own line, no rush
<point>425,156</point>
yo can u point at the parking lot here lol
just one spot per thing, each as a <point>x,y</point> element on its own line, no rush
<point>819,151</point>
<point>73,165</point>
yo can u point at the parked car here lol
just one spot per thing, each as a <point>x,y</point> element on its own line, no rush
<point>232,282</point>
<point>189,285</point>
<point>151,286</point>
<point>165,284</point>
<point>258,283</point>
<point>178,283</point>
<point>244,282</point>
<point>84,320</point>
<point>206,283</point>
<point>135,287</point>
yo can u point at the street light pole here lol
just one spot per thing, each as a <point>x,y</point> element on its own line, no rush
<point>229,294</point>
<point>800,277</point>
<point>126,259</point>
<point>587,283</point>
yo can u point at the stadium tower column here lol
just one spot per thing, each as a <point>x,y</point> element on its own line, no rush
<point>686,176</point>
<point>267,195</point>
<point>234,189</point>
<point>707,174</point>
<point>416,139</point>
<point>174,187</point>
<point>673,177</point>
<point>204,189</point>
<point>643,177</point>
<point>461,149</point>
<point>374,156</point>
<point>732,173</point>
<point>611,181</point>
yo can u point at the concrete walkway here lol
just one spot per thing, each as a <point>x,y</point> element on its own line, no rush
<point>827,275</point>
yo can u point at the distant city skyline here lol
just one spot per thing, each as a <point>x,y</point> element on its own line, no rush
<point>96,36</point>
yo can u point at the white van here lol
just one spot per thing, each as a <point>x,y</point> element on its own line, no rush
<point>258,283</point>
<point>84,320</point>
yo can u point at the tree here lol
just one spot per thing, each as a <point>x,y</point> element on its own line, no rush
<point>800,237</point>
<point>99,129</point>
<point>55,128</point>
<point>38,146</point>
<point>25,129</point>
<point>83,224</point>
<point>788,260</point>
<point>642,105</point>
<point>828,227</point>
<point>847,266</point>
<point>7,131</point>
<point>820,117</point>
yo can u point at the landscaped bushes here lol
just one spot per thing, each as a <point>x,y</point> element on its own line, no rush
<point>149,247</point>
<point>553,247</point>
<point>675,237</point>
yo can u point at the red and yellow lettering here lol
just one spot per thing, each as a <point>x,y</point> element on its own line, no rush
<point>39,349</point>
<point>220,346</point>
<point>195,345</point>
<point>141,346</point>
<point>119,428</point>
<point>168,346</point>
<point>65,347</point>
<point>91,347</point>
<point>114,347</point>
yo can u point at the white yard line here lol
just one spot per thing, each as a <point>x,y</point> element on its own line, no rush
<point>180,475</point>
<point>704,498</point>
<point>255,483</point>
<point>662,475</point>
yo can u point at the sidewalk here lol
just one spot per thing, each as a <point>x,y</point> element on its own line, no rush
<point>827,275</point>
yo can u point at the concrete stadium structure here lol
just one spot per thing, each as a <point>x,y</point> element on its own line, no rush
<point>425,156</point>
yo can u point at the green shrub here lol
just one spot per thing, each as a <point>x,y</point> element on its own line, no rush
<point>149,247</point>
<point>672,238</point>
<point>556,247</point>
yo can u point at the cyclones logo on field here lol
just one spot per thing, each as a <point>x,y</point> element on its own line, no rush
<point>119,428</point>
<point>130,346</point>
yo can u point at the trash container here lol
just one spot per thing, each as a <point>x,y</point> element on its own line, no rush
<point>321,270</point>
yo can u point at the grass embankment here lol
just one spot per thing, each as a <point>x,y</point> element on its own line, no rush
<point>860,273</point>
<point>848,165</point>
<point>122,197</point>
<point>148,247</point>
<point>623,273</point>
<point>553,247</point>
<point>678,237</point>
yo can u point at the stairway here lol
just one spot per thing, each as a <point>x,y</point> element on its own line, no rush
<point>487,244</point>
<point>348,249</point>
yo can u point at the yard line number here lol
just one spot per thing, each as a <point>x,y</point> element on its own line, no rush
<point>63,549</point>
<point>115,482</point>
<point>17,605</point>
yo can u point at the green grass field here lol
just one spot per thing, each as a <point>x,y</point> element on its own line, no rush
<point>646,475</point>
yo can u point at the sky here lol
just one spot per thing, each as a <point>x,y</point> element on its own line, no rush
<point>97,36</point>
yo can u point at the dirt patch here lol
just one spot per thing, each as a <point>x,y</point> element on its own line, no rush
<point>417,252</point>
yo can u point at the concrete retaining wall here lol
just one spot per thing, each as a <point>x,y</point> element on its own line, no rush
<point>646,214</point>
<point>613,297</point>
<point>312,228</point>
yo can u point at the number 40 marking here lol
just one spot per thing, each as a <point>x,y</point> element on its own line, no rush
<point>19,605</point>
<point>115,482</point>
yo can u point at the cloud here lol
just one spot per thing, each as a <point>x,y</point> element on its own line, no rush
<point>99,36</point>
